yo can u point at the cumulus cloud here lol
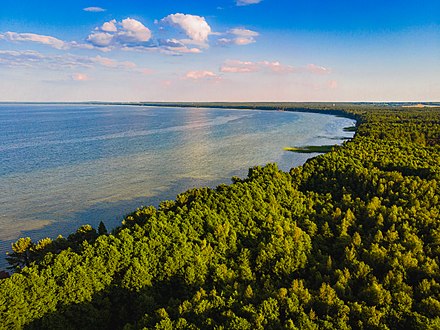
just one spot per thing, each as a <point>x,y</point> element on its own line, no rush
<point>247,2</point>
<point>195,27</point>
<point>133,31</point>
<point>94,9</point>
<point>109,26</point>
<point>316,69</point>
<point>100,39</point>
<point>32,37</point>
<point>131,34</point>
<point>197,75</point>
<point>239,36</point>
<point>127,32</point>
<point>236,66</point>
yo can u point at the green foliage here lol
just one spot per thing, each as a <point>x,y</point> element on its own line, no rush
<point>350,240</point>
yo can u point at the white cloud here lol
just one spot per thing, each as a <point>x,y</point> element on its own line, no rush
<point>94,9</point>
<point>240,37</point>
<point>244,32</point>
<point>14,58</point>
<point>195,27</point>
<point>277,67</point>
<point>313,68</point>
<point>80,77</point>
<point>197,75</point>
<point>128,32</point>
<point>241,41</point>
<point>32,37</point>
<point>111,63</point>
<point>100,39</point>
<point>133,31</point>
<point>180,50</point>
<point>247,2</point>
<point>236,66</point>
<point>176,47</point>
<point>171,43</point>
<point>33,59</point>
<point>43,39</point>
<point>109,26</point>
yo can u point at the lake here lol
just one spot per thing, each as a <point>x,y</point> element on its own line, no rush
<point>62,166</point>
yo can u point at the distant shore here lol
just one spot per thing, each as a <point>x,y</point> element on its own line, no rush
<point>310,149</point>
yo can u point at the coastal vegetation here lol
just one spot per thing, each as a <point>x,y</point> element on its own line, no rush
<point>349,240</point>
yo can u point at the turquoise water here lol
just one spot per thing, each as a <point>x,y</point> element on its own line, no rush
<point>62,166</point>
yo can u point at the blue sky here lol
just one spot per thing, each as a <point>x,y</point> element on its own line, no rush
<point>225,50</point>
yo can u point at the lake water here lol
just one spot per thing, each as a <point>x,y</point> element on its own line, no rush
<point>62,166</point>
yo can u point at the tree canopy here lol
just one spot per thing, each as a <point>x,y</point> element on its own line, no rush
<point>349,240</point>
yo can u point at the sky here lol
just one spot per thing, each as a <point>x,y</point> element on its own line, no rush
<point>220,50</point>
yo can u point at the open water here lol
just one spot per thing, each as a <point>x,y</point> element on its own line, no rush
<point>62,166</point>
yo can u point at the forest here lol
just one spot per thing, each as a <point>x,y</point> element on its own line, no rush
<point>349,240</point>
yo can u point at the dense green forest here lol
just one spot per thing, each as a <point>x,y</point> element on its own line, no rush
<point>349,240</point>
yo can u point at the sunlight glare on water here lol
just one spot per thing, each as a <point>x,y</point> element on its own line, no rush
<point>62,166</point>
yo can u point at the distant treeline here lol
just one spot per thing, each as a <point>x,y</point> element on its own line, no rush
<point>349,240</point>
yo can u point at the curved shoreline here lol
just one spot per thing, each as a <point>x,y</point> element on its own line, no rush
<point>278,118</point>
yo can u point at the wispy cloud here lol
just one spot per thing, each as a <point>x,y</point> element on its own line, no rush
<point>14,58</point>
<point>317,69</point>
<point>236,66</point>
<point>32,37</point>
<point>205,75</point>
<point>247,2</point>
<point>94,9</point>
<point>239,36</point>
<point>111,63</point>
<point>277,67</point>
<point>42,39</point>
<point>33,59</point>
<point>244,32</point>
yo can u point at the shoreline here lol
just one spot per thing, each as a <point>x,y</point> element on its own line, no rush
<point>126,109</point>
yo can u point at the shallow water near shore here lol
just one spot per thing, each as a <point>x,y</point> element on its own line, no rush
<point>62,166</point>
